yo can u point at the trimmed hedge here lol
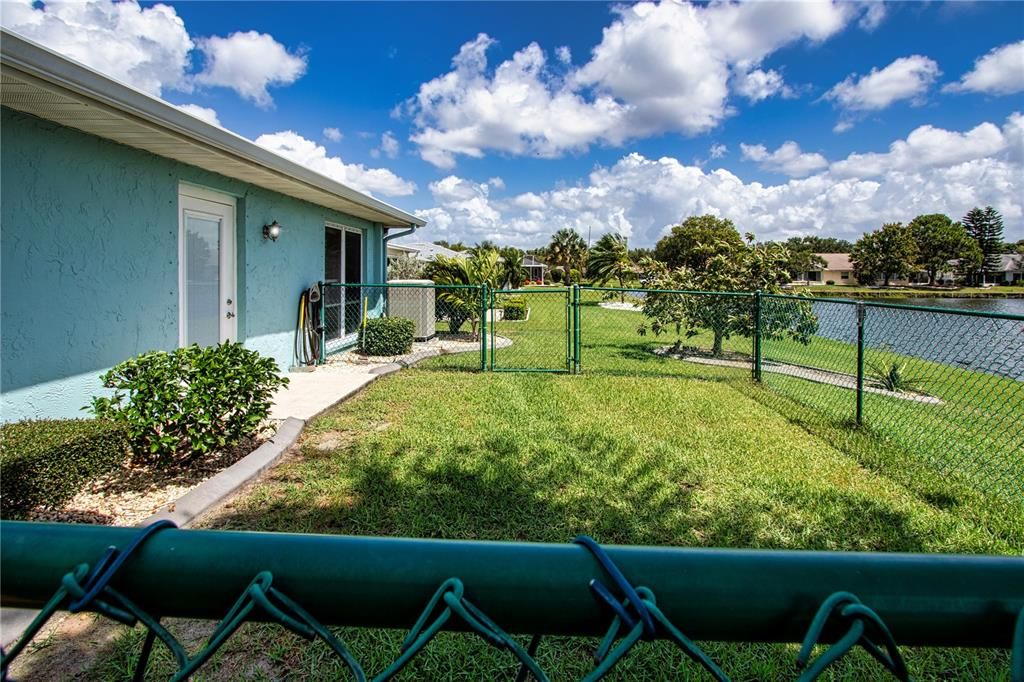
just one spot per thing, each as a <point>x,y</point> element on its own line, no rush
<point>514,308</point>
<point>388,336</point>
<point>46,462</point>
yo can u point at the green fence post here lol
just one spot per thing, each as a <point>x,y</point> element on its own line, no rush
<point>757,336</point>
<point>860,362</point>
<point>483,327</point>
<point>576,332</point>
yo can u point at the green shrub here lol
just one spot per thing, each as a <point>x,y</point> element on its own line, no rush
<point>831,282</point>
<point>555,275</point>
<point>191,401</point>
<point>46,462</point>
<point>388,336</point>
<point>514,308</point>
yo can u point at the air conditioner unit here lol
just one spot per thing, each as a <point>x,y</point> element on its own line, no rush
<point>414,303</point>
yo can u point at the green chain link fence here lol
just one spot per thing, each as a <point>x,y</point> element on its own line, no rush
<point>942,389</point>
<point>831,602</point>
<point>450,327</point>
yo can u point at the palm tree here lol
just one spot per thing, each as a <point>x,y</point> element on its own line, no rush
<point>567,250</point>
<point>515,273</point>
<point>609,259</point>
<point>460,305</point>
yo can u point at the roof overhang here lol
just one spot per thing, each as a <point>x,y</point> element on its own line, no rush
<point>40,82</point>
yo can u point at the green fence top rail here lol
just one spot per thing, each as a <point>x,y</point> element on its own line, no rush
<point>710,594</point>
<point>744,294</point>
<point>400,285</point>
<point>903,306</point>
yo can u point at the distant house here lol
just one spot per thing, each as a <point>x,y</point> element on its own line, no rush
<point>838,269</point>
<point>1010,269</point>
<point>422,251</point>
<point>534,268</point>
<point>130,226</point>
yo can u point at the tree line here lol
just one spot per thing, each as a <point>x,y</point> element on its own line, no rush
<point>932,244</point>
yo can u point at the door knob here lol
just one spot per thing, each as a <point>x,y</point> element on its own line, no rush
<point>229,315</point>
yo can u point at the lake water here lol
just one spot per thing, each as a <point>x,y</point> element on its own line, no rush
<point>989,345</point>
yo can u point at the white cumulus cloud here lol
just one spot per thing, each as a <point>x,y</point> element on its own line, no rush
<point>150,48</point>
<point>907,78</point>
<point>931,170</point>
<point>307,153</point>
<point>147,48</point>
<point>658,68</point>
<point>1000,72</point>
<point>202,113</point>
<point>787,159</point>
<point>388,146</point>
<point>249,62</point>
<point>333,134</point>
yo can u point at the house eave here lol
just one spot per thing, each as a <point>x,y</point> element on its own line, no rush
<point>40,82</point>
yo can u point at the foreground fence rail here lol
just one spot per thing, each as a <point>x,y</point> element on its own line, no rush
<point>626,594</point>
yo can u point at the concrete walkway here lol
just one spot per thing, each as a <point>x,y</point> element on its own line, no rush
<point>310,393</point>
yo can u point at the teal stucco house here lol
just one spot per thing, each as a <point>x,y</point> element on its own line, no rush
<point>128,225</point>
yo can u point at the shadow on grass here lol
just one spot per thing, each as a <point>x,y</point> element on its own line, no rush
<point>932,482</point>
<point>496,490</point>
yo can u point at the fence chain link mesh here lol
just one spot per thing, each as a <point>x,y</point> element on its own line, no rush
<point>633,613</point>
<point>448,328</point>
<point>936,396</point>
<point>644,332</point>
<point>530,330</point>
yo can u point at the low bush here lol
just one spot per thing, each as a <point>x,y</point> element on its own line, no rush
<point>191,401</point>
<point>46,462</point>
<point>831,282</point>
<point>388,336</point>
<point>514,308</point>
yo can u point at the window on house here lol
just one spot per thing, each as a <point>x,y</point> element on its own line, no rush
<point>844,275</point>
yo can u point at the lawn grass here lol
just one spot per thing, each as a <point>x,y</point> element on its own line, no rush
<point>542,458</point>
<point>640,449</point>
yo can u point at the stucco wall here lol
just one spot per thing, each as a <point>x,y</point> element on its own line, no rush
<point>89,259</point>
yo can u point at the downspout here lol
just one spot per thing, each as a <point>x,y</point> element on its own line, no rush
<point>389,237</point>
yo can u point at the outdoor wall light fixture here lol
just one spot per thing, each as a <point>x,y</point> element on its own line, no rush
<point>272,231</point>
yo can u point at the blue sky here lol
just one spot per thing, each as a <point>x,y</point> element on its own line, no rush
<point>789,118</point>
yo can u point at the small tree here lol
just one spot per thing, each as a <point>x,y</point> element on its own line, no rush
<point>986,228</point>
<point>939,241</point>
<point>887,252</point>
<point>609,259</point>
<point>405,267</point>
<point>567,251</point>
<point>735,267</point>
<point>697,240</point>
<point>460,305</point>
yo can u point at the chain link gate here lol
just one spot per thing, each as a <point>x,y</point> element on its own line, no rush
<point>532,330</point>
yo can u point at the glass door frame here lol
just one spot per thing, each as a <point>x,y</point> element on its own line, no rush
<point>343,305</point>
<point>207,203</point>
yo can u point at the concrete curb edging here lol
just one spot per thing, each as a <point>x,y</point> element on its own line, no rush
<point>222,485</point>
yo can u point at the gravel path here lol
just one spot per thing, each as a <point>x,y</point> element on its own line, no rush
<point>819,376</point>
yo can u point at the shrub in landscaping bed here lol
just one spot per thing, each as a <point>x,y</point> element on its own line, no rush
<point>388,336</point>
<point>47,461</point>
<point>514,308</point>
<point>191,401</point>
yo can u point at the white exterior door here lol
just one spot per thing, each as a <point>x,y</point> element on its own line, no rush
<point>206,267</point>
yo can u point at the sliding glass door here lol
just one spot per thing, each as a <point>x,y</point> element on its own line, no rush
<point>343,262</point>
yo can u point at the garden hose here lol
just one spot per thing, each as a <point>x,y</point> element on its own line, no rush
<point>307,327</point>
